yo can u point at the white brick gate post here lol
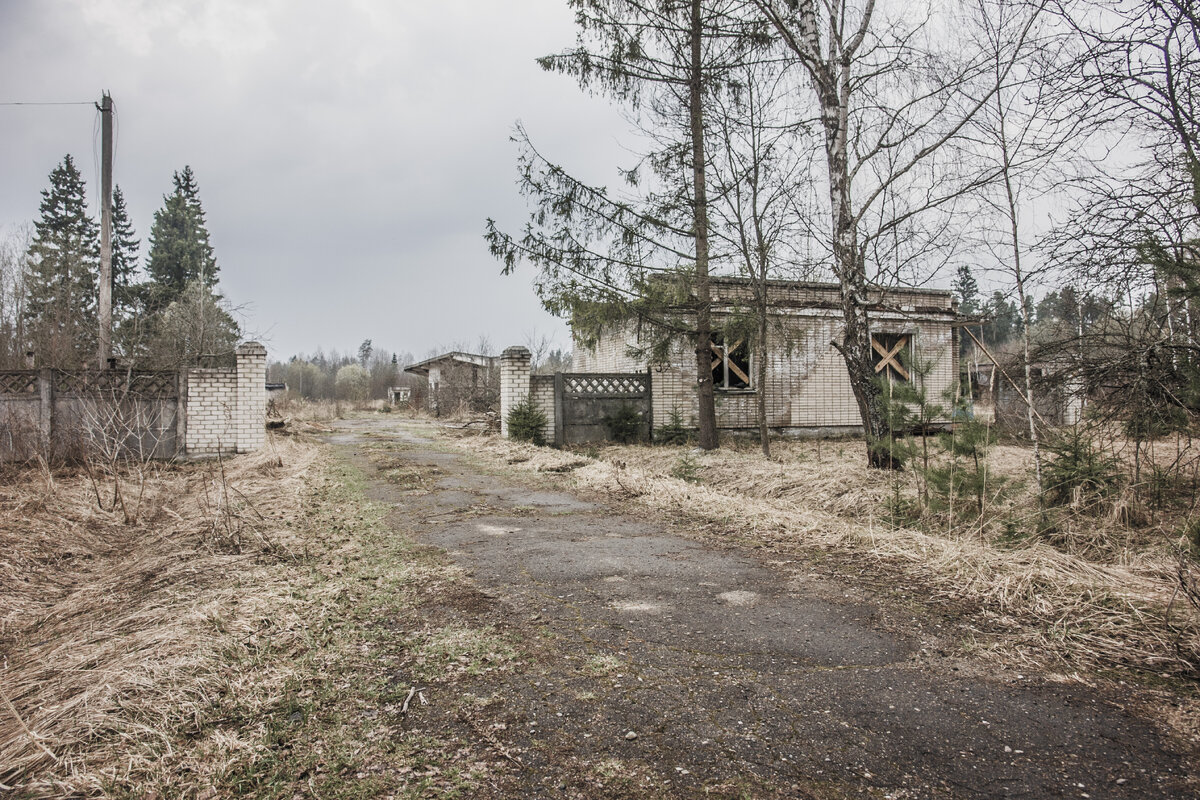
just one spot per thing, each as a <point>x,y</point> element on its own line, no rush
<point>514,382</point>
<point>251,414</point>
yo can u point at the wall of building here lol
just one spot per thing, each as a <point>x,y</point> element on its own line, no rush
<point>807,386</point>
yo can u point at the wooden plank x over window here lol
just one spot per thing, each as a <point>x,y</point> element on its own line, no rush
<point>731,365</point>
<point>891,350</point>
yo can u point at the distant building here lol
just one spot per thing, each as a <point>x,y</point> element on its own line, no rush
<point>460,382</point>
<point>399,394</point>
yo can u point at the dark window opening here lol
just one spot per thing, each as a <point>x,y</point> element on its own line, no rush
<point>891,355</point>
<point>731,363</point>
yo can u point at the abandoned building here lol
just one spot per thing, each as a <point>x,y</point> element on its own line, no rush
<point>807,387</point>
<point>459,382</point>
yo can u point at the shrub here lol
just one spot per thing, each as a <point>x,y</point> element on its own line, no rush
<point>673,432</point>
<point>687,468</point>
<point>1079,470</point>
<point>624,424</point>
<point>527,423</point>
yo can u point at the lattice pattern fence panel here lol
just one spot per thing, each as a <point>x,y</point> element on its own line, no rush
<point>599,384</point>
<point>19,382</point>
<point>116,383</point>
<point>602,406</point>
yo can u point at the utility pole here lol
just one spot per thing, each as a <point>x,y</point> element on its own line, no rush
<point>106,274</point>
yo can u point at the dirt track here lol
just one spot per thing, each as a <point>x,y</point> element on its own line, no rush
<point>660,666</point>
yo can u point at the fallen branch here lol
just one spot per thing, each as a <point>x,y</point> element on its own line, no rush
<point>490,738</point>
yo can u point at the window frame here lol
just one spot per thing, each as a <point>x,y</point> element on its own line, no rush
<point>728,362</point>
<point>891,353</point>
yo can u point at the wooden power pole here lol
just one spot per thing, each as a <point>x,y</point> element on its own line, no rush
<point>106,187</point>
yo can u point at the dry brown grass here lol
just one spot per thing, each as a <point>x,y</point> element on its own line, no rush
<point>114,635</point>
<point>1058,606</point>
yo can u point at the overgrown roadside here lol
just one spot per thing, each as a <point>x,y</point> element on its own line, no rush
<point>253,635</point>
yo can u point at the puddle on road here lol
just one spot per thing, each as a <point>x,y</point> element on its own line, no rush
<point>633,607</point>
<point>739,598</point>
<point>495,530</point>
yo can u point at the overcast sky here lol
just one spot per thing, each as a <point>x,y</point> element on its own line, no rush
<point>347,153</point>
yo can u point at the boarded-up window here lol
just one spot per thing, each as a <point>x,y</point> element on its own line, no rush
<point>892,352</point>
<point>731,363</point>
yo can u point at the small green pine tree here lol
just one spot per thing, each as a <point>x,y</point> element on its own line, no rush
<point>527,423</point>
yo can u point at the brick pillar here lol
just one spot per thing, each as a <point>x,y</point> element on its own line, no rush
<point>514,382</point>
<point>250,416</point>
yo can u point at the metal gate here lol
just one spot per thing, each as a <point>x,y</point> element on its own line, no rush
<point>587,403</point>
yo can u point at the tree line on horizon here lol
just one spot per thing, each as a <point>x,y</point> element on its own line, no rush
<point>167,309</point>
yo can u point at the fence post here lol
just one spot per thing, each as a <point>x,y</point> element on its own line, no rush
<point>46,419</point>
<point>250,415</point>
<point>558,409</point>
<point>514,382</point>
<point>181,395</point>
<point>650,405</point>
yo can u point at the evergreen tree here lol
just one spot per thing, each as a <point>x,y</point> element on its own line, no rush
<point>125,246</point>
<point>180,253</point>
<point>60,311</point>
<point>1005,322</point>
<point>607,256</point>
<point>967,289</point>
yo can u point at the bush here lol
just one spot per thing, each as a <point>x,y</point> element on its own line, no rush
<point>1079,471</point>
<point>527,423</point>
<point>687,468</point>
<point>673,432</point>
<point>624,424</point>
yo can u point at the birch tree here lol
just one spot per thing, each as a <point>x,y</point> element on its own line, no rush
<point>892,90</point>
<point>1025,134</point>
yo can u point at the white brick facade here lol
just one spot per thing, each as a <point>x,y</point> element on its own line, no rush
<point>807,386</point>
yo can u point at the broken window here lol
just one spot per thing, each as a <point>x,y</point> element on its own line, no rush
<point>892,351</point>
<point>731,363</point>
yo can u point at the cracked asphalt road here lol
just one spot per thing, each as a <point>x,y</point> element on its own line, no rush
<point>739,679</point>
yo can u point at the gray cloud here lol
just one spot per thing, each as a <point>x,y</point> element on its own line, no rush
<point>347,153</point>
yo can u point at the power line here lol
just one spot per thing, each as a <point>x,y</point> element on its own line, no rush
<point>49,103</point>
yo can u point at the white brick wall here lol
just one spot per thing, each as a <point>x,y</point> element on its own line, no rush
<point>252,397</point>
<point>807,384</point>
<point>227,408</point>
<point>541,395</point>
<point>211,412</point>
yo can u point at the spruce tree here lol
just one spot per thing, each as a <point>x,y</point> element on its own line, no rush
<point>64,259</point>
<point>967,289</point>
<point>125,246</point>
<point>180,253</point>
